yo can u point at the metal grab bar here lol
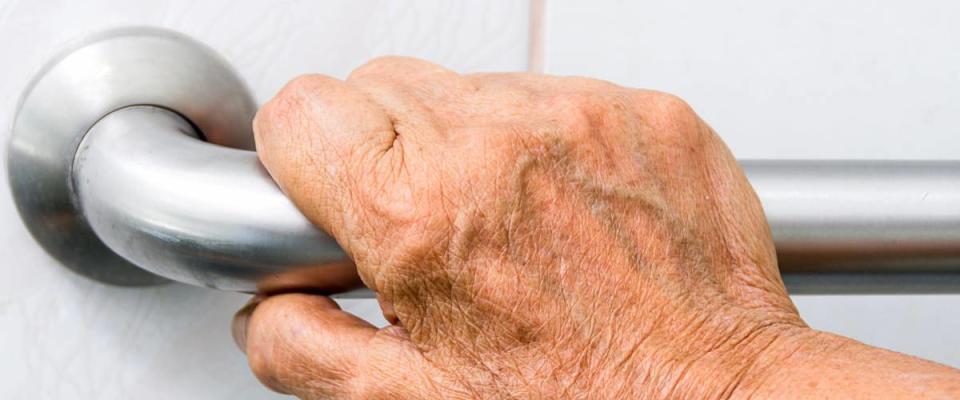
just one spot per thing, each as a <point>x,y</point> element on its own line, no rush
<point>102,183</point>
<point>209,215</point>
<point>189,210</point>
<point>863,226</point>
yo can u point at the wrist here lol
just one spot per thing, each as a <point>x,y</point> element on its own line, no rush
<point>751,361</point>
<point>770,368</point>
<point>812,364</point>
<point>728,355</point>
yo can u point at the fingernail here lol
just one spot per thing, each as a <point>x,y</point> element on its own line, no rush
<point>240,321</point>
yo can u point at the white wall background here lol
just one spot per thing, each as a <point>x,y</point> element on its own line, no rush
<point>814,79</point>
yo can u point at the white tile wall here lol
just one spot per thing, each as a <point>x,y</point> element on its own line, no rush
<point>778,79</point>
<point>796,79</point>
<point>64,337</point>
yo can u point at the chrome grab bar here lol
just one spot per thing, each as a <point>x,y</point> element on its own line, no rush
<point>189,210</point>
<point>127,180</point>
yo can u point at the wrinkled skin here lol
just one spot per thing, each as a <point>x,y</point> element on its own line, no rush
<point>528,236</point>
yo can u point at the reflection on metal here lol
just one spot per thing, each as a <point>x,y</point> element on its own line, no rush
<point>110,180</point>
<point>98,75</point>
<point>863,226</point>
<point>193,211</point>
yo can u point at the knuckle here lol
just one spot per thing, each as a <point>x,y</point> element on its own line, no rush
<point>267,123</point>
<point>296,92</point>
<point>381,65</point>
<point>293,106</point>
<point>287,101</point>
<point>302,91</point>
<point>673,119</point>
<point>586,115</point>
<point>572,111</point>
<point>672,106</point>
<point>392,63</point>
<point>302,83</point>
<point>592,84</point>
<point>397,68</point>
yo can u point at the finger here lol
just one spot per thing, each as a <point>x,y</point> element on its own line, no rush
<point>319,139</point>
<point>541,84</point>
<point>306,346</point>
<point>414,92</point>
<point>415,73</point>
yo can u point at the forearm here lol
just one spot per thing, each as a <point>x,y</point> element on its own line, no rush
<point>813,364</point>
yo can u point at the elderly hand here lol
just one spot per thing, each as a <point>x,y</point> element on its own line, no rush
<point>527,236</point>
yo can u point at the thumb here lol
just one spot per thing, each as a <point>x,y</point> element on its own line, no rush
<point>305,345</point>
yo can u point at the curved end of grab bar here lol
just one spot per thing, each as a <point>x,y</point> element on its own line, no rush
<point>196,212</point>
<point>92,77</point>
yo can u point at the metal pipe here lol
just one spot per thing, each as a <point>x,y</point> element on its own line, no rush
<point>863,226</point>
<point>193,211</point>
<point>209,215</point>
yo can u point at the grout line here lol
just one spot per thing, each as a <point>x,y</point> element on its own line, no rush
<point>535,37</point>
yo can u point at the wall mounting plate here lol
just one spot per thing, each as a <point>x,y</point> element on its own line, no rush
<point>98,75</point>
